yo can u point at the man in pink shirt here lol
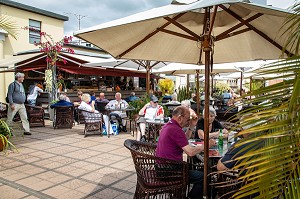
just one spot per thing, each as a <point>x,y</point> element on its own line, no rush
<point>173,141</point>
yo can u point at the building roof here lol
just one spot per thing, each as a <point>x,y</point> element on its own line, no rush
<point>34,10</point>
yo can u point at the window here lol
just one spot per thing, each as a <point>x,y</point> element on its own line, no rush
<point>34,31</point>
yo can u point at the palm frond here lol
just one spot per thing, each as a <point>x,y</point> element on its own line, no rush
<point>8,25</point>
<point>272,169</point>
<point>292,30</point>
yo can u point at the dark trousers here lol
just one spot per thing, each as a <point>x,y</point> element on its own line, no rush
<point>196,178</point>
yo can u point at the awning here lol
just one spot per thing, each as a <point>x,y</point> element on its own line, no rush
<point>76,64</point>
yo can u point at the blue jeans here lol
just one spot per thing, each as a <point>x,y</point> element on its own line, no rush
<point>31,102</point>
<point>196,178</point>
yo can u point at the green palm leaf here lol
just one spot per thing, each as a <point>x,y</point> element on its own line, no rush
<point>8,25</point>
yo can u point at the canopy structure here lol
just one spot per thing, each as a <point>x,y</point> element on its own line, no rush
<point>76,64</point>
<point>135,65</point>
<point>201,32</point>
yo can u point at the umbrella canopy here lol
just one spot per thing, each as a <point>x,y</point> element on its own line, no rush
<point>203,32</point>
<point>241,32</point>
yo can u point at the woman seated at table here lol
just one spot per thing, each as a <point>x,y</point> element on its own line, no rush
<point>94,115</point>
<point>150,111</point>
<point>214,126</point>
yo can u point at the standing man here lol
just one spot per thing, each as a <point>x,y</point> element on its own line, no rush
<point>16,99</point>
<point>173,141</point>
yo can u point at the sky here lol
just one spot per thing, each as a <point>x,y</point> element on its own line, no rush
<point>94,12</point>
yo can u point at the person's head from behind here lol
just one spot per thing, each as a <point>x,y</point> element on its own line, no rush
<point>181,114</point>
<point>118,96</point>
<point>101,95</point>
<point>132,94</point>
<point>19,77</point>
<point>212,114</point>
<point>92,93</point>
<point>62,97</point>
<point>86,97</point>
<point>186,103</point>
<point>195,98</point>
<point>153,101</point>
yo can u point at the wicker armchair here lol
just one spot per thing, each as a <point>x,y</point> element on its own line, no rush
<point>3,110</point>
<point>63,117</point>
<point>225,183</point>
<point>92,122</point>
<point>100,106</point>
<point>157,177</point>
<point>35,115</point>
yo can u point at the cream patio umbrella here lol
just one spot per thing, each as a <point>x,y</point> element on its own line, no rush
<point>202,32</point>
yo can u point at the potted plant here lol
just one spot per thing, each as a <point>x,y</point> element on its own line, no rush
<point>5,133</point>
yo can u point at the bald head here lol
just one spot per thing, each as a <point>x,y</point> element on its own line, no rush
<point>181,115</point>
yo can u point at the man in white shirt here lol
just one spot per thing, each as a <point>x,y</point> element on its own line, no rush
<point>118,103</point>
<point>150,111</point>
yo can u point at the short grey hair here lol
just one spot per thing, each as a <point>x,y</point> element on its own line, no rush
<point>19,75</point>
<point>211,111</point>
<point>62,97</point>
<point>186,103</point>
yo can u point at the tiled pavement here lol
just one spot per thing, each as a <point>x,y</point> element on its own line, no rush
<point>61,163</point>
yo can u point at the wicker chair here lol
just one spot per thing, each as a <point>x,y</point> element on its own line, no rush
<point>100,106</point>
<point>92,122</point>
<point>225,183</point>
<point>3,110</point>
<point>63,117</point>
<point>35,115</point>
<point>157,177</point>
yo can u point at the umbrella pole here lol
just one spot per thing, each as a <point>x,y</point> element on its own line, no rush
<point>188,83</point>
<point>147,78</point>
<point>197,92</point>
<point>207,51</point>
<point>241,84</point>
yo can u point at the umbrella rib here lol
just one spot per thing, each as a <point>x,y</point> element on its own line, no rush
<point>255,30</point>
<point>179,34</point>
<point>148,36</point>
<point>225,33</point>
<point>234,33</point>
<point>120,63</point>
<point>185,29</point>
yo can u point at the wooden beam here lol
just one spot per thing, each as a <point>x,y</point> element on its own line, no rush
<point>149,36</point>
<point>179,35</point>
<point>233,34</point>
<point>263,35</point>
<point>225,33</point>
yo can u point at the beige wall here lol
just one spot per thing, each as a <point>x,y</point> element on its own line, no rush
<point>52,26</point>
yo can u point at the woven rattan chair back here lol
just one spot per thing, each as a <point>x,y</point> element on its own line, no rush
<point>157,177</point>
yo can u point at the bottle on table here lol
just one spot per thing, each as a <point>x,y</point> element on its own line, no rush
<point>220,142</point>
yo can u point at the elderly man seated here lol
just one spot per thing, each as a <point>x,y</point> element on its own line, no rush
<point>151,110</point>
<point>118,102</point>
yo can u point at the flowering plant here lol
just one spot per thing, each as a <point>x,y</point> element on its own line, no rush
<point>52,49</point>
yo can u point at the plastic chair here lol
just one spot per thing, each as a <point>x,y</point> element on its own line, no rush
<point>157,177</point>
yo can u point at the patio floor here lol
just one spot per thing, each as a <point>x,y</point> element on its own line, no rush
<point>61,163</point>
